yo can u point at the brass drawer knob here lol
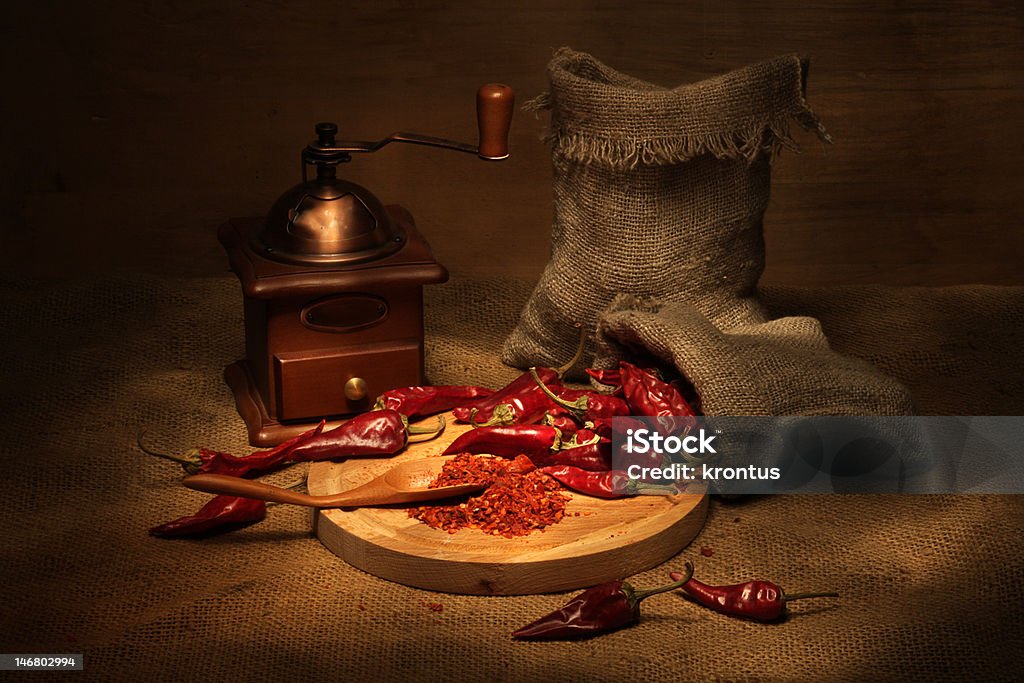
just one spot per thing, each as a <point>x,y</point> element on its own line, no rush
<point>355,389</point>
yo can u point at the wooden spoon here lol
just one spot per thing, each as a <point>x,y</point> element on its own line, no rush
<point>404,483</point>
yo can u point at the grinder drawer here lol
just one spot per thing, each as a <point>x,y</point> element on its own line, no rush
<point>312,384</point>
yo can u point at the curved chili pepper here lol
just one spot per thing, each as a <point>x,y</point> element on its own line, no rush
<point>585,405</point>
<point>378,432</point>
<point>603,608</point>
<point>482,410</point>
<point>533,441</point>
<point>220,512</point>
<point>760,600</point>
<point>421,401</point>
<point>217,462</point>
<point>648,395</point>
<point>610,378</point>
<point>610,484</point>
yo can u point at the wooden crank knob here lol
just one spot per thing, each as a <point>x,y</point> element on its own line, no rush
<point>494,103</point>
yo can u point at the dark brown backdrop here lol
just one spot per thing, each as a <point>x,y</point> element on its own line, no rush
<point>133,129</point>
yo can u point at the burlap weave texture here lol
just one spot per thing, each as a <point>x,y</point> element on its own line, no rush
<point>931,585</point>
<point>658,192</point>
<point>777,367</point>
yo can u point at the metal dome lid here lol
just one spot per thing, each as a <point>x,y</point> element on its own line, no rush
<point>327,220</point>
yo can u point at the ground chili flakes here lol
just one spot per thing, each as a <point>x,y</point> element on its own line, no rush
<point>518,500</point>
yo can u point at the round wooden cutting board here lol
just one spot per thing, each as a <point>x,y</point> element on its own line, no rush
<point>608,539</point>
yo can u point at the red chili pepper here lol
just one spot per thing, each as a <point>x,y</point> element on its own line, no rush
<point>623,458</point>
<point>603,427</point>
<point>760,600</point>
<point>610,378</point>
<point>563,422</point>
<point>585,405</point>
<point>527,408</point>
<point>603,608</point>
<point>482,410</point>
<point>217,462</point>
<point>582,437</point>
<point>378,432</point>
<point>533,441</point>
<point>648,395</point>
<point>421,401</point>
<point>219,513</point>
<point>609,484</point>
<point>595,456</point>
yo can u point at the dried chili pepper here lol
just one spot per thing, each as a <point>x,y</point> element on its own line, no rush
<point>760,600</point>
<point>481,410</point>
<point>585,405</point>
<point>209,461</point>
<point>378,432</point>
<point>563,422</point>
<point>421,401</point>
<point>648,395</point>
<point>595,456</point>
<point>530,440</point>
<point>603,608</point>
<point>586,450</point>
<point>221,512</point>
<point>610,378</point>
<point>529,407</point>
<point>583,436</point>
<point>604,484</point>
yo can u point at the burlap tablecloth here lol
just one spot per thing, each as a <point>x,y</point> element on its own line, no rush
<point>931,586</point>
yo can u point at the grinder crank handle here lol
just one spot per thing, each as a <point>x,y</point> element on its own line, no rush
<point>494,102</point>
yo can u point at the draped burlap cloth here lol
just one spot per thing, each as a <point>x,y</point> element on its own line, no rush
<point>931,586</point>
<point>658,192</point>
<point>774,367</point>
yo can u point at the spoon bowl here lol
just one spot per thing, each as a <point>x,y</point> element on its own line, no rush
<point>406,482</point>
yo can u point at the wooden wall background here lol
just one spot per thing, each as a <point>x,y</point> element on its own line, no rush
<point>132,129</point>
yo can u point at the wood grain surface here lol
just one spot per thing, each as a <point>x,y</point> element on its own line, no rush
<point>133,129</point>
<point>608,539</point>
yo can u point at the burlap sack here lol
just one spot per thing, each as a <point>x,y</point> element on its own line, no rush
<point>658,192</point>
<point>777,367</point>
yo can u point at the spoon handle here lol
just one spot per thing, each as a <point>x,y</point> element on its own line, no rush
<point>247,488</point>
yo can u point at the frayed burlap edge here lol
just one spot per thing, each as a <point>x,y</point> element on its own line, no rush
<point>763,134</point>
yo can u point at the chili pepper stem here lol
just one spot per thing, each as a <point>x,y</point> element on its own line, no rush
<point>501,416</point>
<point>687,575</point>
<point>573,406</point>
<point>800,596</point>
<point>589,442</point>
<point>427,433</point>
<point>562,369</point>
<point>186,462</point>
